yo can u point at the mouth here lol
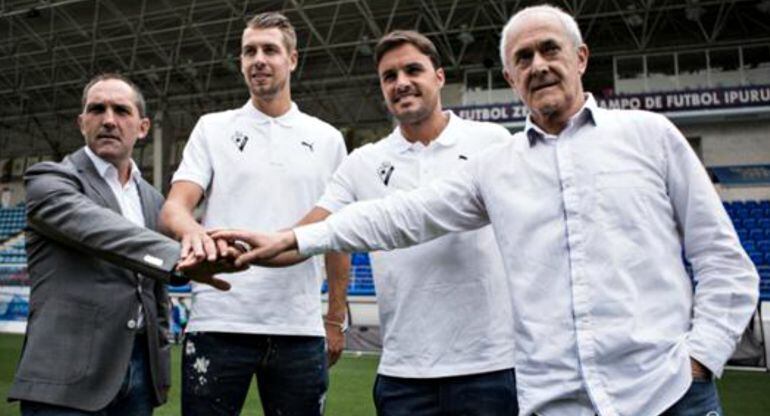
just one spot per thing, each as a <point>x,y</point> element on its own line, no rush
<point>399,97</point>
<point>260,76</point>
<point>542,85</point>
<point>107,136</point>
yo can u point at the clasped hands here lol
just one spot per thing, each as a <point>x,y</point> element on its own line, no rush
<point>206,253</point>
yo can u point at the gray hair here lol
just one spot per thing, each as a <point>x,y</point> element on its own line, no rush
<point>570,26</point>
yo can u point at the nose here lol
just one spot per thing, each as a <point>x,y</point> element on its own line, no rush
<point>539,64</point>
<point>108,118</point>
<point>402,81</point>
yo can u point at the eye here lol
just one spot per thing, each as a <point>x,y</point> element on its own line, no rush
<point>95,108</point>
<point>247,51</point>
<point>523,58</point>
<point>388,76</point>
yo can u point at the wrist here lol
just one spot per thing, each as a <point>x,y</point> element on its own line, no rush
<point>341,325</point>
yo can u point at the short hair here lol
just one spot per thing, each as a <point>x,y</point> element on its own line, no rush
<point>397,38</point>
<point>270,20</point>
<point>141,104</point>
<point>570,26</point>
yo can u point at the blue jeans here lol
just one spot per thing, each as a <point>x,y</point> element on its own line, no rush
<point>701,399</point>
<point>486,394</point>
<point>135,397</point>
<point>217,369</point>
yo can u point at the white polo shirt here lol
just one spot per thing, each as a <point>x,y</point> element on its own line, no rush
<point>445,306</point>
<point>260,173</point>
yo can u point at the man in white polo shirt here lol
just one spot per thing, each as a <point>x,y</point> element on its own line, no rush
<point>445,306</point>
<point>261,166</point>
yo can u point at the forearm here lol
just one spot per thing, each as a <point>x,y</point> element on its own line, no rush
<point>176,220</point>
<point>338,277</point>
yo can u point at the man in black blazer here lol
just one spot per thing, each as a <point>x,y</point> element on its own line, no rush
<point>97,335</point>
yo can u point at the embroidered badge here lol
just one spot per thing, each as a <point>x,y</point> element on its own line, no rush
<point>309,145</point>
<point>385,170</point>
<point>240,140</point>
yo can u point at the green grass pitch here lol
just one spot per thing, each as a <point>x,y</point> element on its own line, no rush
<point>743,393</point>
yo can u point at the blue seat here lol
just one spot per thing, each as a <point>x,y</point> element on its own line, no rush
<point>742,213</point>
<point>757,258</point>
<point>749,223</point>
<point>756,234</point>
<point>763,223</point>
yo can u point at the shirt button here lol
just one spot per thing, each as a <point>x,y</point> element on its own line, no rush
<point>131,324</point>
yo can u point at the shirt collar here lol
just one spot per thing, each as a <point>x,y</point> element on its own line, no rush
<point>285,120</point>
<point>104,167</point>
<point>446,138</point>
<point>589,112</point>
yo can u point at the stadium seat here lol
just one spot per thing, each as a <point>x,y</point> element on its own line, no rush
<point>749,223</point>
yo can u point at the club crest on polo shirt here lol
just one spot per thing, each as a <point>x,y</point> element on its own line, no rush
<point>385,171</point>
<point>240,140</point>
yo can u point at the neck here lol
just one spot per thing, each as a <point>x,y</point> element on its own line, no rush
<point>427,130</point>
<point>274,106</point>
<point>124,170</point>
<point>554,123</point>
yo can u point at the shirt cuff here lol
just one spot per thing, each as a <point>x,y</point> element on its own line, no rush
<point>710,347</point>
<point>313,239</point>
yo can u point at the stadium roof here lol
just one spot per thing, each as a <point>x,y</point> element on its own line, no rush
<point>184,54</point>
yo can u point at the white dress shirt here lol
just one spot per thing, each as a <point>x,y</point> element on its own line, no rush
<point>443,312</point>
<point>128,194</point>
<point>592,225</point>
<point>260,173</point>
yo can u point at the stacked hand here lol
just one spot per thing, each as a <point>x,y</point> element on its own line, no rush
<point>202,257</point>
<point>264,249</point>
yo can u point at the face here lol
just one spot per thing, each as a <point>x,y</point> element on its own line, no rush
<point>545,67</point>
<point>110,121</point>
<point>410,84</point>
<point>266,64</point>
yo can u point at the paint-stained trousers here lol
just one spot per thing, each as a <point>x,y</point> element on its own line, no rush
<point>217,368</point>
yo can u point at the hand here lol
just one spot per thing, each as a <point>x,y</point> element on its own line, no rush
<point>273,249</point>
<point>198,244</point>
<point>699,371</point>
<point>335,341</point>
<point>205,271</point>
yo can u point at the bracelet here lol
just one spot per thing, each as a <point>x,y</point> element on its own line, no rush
<point>341,325</point>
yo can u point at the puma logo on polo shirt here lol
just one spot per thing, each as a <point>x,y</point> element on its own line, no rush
<point>462,157</point>
<point>309,145</point>
<point>240,140</point>
<point>384,171</point>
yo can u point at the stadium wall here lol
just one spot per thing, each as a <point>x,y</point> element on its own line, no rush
<point>734,143</point>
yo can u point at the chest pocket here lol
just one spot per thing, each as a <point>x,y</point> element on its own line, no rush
<point>624,198</point>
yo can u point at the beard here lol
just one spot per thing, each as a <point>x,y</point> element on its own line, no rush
<point>266,91</point>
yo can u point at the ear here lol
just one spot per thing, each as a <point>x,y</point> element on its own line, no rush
<point>293,58</point>
<point>582,55</point>
<point>509,78</point>
<point>144,128</point>
<point>441,77</point>
<point>80,125</point>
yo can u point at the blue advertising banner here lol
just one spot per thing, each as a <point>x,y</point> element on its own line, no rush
<point>663,102</point>
<point>742,175</point>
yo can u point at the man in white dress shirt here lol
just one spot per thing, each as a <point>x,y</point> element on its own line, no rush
<point>592,210</point>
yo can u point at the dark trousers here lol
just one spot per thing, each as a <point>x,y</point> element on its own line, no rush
<point>701,399</point>
<point>486,394</point>
<point>217,369</point>
<point>135,397</point>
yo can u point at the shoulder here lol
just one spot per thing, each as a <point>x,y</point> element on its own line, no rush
<point>220,118</point>
<point>318,126</point>
<point>634,118</point>
<point>486,132</point>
